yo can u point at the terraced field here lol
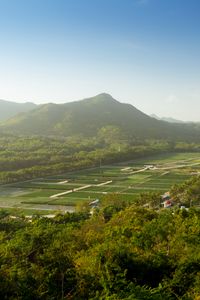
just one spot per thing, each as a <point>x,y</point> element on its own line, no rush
<point>63,192</point>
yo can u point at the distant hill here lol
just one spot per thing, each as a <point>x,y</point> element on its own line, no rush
<point>9,109</point>
<point>89,116</point>
<point>168,119</point>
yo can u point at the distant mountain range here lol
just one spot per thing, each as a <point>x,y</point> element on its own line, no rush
<point>89,116</point>
<point>10,109</point>
<point>168,119</point>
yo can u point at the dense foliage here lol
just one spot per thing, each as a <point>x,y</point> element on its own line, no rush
<point>119,253</point>
<point>187,193</point>
<point>23,158</point>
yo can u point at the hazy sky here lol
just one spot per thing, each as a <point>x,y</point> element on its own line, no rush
<point>145,52</point>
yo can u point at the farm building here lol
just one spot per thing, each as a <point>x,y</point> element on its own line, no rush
<point>167,204</point>
<point>94,203</point>
<point>166,196</point>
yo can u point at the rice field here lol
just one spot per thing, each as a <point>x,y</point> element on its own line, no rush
<point>129,179</point>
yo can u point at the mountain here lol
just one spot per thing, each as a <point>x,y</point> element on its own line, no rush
<point>168,119</point>
<point>9,109</point>
<point>89,116</point>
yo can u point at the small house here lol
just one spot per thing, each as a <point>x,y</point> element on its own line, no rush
<point>94,203</point>
<point>167,204</point>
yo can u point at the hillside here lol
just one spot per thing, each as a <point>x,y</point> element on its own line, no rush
<point>89,116</point>
<point>10,109</point>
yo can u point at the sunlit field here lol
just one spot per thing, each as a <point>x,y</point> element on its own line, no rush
<point>128,179</point>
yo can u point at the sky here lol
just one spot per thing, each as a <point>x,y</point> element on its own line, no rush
<point>143,52</point>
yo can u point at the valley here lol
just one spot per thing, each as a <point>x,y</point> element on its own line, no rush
<point>100,150</point>
<point>64,192</point>
<point>83,189</point>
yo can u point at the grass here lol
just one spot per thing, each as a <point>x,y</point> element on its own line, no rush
<point>41,193</point>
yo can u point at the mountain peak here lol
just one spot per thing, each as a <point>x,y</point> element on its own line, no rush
<point>104,95</point>
<point>101,98</point>
<point>86,118</point>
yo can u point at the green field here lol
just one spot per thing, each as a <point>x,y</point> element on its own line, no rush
<point>128,179</point>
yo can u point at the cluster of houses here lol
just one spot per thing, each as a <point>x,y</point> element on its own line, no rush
<point>168,202</point>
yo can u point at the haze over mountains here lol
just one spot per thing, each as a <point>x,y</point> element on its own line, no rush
<point>87,118</point>
<point>168,119</point>
<point>9,109</point>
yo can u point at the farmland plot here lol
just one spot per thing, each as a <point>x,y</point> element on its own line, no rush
<point>156,173</point>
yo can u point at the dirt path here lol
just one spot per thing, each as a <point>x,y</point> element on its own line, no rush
<point>104,183</point>
<point>70,191</point>
<point>138,171</point>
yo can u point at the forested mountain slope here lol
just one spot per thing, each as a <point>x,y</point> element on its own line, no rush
<point>98,115</point>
